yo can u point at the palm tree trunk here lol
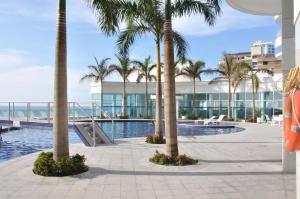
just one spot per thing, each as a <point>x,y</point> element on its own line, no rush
<point>194,103</point>
<point>146,98</point>
<point>124,99</point>
<point>60,117</point>
<point>158,102</point>
<point>101,103</point>
<point>169,86</point>
<point>253,100</point>
<point>229,99</point>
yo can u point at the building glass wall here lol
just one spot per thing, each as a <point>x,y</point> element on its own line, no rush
<point>207,104</point>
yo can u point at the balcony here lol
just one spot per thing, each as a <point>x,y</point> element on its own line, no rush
<point>257,7</point>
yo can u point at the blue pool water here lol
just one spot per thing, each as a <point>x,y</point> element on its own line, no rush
<point>142,129</point>
<point>25,141</point>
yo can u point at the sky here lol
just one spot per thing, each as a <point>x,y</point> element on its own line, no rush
<point>27,44</point>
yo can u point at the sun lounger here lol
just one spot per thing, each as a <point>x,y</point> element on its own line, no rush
<point>208,121</point>
<point>215,121</point>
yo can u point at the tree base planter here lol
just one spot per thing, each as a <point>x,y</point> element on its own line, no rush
<point>154,139</point>
<point>123,117</point>
<point>180,160</point>
<point>46,166</point>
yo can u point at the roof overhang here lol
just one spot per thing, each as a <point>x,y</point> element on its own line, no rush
<point>257,7</point>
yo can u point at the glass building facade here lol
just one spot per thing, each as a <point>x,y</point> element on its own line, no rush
<point>207,104</point>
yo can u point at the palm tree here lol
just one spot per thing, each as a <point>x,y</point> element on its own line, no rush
<point>124,70</point>
<point>60,117</point>
<point>194,70</point>
<point>252,74</point>
<point>228,70</point>
<point>149,18</point>
<point>98,73</point>
<point>210,9</point>
<point>112,12</point>
<point>145,70</point>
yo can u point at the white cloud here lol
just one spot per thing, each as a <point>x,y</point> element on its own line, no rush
<point>12,58</point>
<point>229,20</point>
<point>79,12</point>
<point>35,83</point>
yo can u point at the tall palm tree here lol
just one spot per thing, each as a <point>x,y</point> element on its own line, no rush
<point>124,70</point>
<point>145,68</point>
<point>111,13</point>
<point>228,70</point>
<point>194,70</point>
<point>252,75</point>
<point>149,18</point>
<point>98,73</point>
<point>210,9</point>
<point>60,117</point>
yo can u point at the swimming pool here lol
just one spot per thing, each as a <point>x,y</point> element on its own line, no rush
<point>141,129</point>
<point>25,141</point>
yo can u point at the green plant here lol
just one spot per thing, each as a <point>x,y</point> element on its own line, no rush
<point>183,112</point>
<point>46,166</point>
<point>238,119</point>
<point>147,117</point>
<point>155,139</point>
<point>180,160</point>
<point>123,117</point>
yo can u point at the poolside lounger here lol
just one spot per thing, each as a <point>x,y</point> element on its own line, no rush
<point>208,121</point>
<point>215,121</point>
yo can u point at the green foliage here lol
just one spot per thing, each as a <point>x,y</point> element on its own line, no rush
<point>147,117</point>
<point>46,166</point>
<point>183,112</point>
<point>155,139</point>
<point>251,120</point>
<point>123,117</point>
<point>229,119</point>
<point>180,160</point>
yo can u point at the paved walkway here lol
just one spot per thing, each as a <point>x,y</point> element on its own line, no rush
<point>240,165</point>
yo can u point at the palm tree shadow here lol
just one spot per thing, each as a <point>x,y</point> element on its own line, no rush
<point>97,171</point>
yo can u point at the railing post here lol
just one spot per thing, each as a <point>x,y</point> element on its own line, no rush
<point>74,113</point>
<point>28,111</point>
<point>13,110</point>
<point>113,130</point>
<point>94,132</point>
<point>9,111</point>
<point>49,112</point>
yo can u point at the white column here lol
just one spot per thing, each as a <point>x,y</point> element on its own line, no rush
<point>288,61</point>
<point>297,40</point>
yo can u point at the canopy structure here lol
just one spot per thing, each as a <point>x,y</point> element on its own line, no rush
<point>257,7</point>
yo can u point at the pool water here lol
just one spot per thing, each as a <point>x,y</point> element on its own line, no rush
<point>26,141</point>
<point>142,129</point>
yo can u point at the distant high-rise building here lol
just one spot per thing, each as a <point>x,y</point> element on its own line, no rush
<point>263,49</point>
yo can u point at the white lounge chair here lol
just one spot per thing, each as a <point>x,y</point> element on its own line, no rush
<point>208,121</point>
<point>216,121</point>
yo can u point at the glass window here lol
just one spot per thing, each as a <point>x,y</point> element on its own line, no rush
<point>240,96</point>
<point>223,96</point>
<point>268,95</point>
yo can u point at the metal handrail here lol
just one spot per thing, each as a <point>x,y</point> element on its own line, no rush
<point>89,115</point>
<point>109,117</point>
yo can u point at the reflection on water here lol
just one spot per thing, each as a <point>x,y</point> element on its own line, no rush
<point>142,129</point>
<point>25,141</point>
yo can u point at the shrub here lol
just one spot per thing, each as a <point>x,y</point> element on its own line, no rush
<point>180,160</point>
<point>251,120</point>
<point>46,166</point>
<point>155,139</point>
<point>123,117</point>
<point>183,112</point>
<point>147,117</point>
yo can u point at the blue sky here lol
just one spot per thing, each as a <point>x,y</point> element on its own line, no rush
<point>27,42</point>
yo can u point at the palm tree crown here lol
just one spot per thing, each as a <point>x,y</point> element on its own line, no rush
<point>144,72</point>
<point>193,71</point>
<point>144,69</point>
<point>125,71</point>
<point>98,72</point>
<point>123,68</point>
<point>228,70</point>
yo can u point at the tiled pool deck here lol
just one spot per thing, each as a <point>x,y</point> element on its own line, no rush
<point>241,165</point>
